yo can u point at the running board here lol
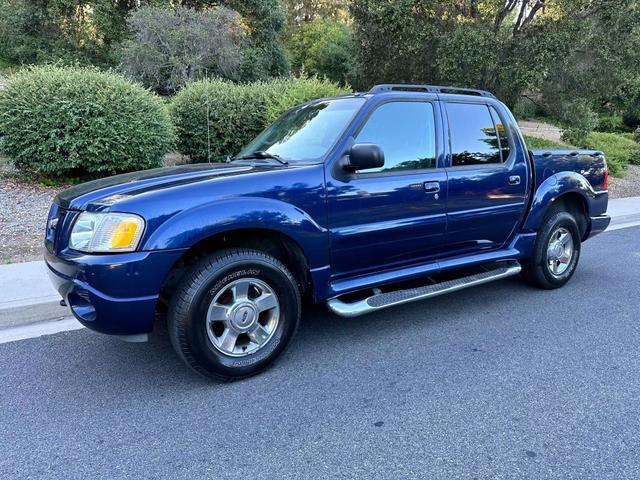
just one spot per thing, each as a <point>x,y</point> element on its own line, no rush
<point>398,297</point>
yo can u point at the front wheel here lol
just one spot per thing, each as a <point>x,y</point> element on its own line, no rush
<point>234,313</point>
<point>556,252</point>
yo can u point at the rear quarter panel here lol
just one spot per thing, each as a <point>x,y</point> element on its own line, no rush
<point>560,172</point>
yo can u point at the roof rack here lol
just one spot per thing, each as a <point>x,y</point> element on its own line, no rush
<point>390,87</point>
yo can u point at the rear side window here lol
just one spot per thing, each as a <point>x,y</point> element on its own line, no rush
<point>502,134</point>
<point>406,133</point>
<point>474,138</point>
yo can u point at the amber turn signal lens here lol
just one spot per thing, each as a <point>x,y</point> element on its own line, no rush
<point>124,234</point>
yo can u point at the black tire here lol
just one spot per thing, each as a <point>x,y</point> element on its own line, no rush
<point>537,270</point>
<point>190,302</point>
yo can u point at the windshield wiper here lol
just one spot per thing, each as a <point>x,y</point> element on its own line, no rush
<point>262,155</point>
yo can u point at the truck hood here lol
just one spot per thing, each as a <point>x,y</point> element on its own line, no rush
<point>107,191</point>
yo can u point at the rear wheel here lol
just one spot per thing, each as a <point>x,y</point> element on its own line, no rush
<point>234,313</point>
<point>556,252</point>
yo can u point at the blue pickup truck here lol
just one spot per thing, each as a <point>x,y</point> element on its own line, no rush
<point>362,201</point>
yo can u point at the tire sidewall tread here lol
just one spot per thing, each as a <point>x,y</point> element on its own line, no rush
<point>535,270</point>
<point>208,276</point>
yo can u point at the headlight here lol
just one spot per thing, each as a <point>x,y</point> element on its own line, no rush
<point>106,232</point>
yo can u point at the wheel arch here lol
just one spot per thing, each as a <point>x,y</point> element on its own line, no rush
<point>281,246</point>
<point>568,191</point>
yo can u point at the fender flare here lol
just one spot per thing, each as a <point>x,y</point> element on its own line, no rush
<point>188,227</point>
<point>553,188</point>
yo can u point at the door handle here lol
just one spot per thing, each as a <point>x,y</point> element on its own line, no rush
<point>432,187</point>
<point>514,180</point>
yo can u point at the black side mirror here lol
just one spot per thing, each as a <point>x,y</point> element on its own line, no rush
<point>363,156</point>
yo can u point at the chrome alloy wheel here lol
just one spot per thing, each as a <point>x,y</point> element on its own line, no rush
<point>243,317</point>
<point>560,251</point>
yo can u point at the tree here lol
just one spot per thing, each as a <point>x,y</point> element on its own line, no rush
<point>322,47</point>
<point>301,11</point>
<point>74,31</point>
<point>90,31</point>
<point>264,56</point>
<point>266,20</point>
<point>170,48</point>
<point>507,46</point>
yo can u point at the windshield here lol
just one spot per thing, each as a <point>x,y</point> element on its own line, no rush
<point>307,132</point>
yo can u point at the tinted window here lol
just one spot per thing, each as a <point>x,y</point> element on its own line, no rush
<point>406,133</point>
<point>474,140</point>
<point>502,134</point>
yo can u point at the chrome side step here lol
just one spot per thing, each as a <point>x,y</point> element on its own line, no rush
<point>398,297</point>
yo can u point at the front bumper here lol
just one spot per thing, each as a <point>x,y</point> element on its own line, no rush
<point>598,224</point>
<point>114,294</point>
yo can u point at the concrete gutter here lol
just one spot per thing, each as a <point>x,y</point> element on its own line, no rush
<point>27,296</point>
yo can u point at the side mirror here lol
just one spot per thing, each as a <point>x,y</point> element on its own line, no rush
<point>363,156</point>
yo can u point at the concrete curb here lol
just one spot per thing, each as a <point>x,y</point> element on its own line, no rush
<point>624,210</point>
<point>27,296</point>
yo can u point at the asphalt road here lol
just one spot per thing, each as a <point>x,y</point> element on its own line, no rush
<point>499,381</point>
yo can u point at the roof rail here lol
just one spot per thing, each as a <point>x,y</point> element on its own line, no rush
<point>389,87</point>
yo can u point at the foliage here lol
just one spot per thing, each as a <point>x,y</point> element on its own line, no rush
<point>322,47</point>
<point>619,149</point>
<point>525,107</point>
<point>610,123</point>
<point>301,11</point>
<point>631,114</point>
<point>71,31</point>
<point>265,20</point>
<point>170,48</point>
<point>498,45</point>
<point>600,68</point>
<point>91,31</point>
<point>578,118</point>
<point>77,121</point>
<point>216,118</point>
<point>636,135</point>
<point>536,143</point>
<point>510,47</point>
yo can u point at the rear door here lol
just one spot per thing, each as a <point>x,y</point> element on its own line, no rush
<point>394,215</point>
<point>487,177</point>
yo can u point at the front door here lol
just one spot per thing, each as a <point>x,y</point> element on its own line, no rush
<point>487,178</point>
<point>394,215</point>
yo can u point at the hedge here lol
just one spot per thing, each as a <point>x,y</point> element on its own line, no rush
<point>216,118</point>
<point>78,121</point>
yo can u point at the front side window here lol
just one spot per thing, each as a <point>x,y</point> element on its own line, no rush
<point>307,132</point>
<point>474,138</point>
<point>406,133</point>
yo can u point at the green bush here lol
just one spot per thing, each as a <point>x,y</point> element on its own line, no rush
<point>579,119</point>
<point>636,135</point>
<point>610,123</point>
<point>216,118</point>
<point>619,149</point>
<point>78,121</point>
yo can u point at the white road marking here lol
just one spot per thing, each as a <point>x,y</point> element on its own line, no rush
<point>33,330</point>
